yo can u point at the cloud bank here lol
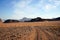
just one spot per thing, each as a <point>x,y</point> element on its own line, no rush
<point>34,8</point>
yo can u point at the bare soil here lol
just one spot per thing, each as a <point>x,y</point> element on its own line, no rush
<point>30,31</point>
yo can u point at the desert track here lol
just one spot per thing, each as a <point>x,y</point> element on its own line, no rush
<point>44,34</point>
<point>34,31</point>
<point>28,33</point>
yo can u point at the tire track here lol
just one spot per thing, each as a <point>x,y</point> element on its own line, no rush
<point>49,35</point>
<point>43,34</point>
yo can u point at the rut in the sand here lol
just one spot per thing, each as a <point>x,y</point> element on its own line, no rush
<point>29,33</point>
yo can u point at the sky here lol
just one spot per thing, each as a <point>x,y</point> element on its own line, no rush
<point>17,9</point>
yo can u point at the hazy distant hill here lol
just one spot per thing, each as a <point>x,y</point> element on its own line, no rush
<point>38,19</point>
<point>10,21</point>
<point>25,19</point>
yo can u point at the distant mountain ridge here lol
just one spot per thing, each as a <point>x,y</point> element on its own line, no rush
<point>38,19</point>
<point>25,19</point>
<point>10,21</point>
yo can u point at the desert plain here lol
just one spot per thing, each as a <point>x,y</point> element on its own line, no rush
<point>47,30</point>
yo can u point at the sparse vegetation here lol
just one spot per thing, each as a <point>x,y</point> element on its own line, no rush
<point>47,30</point>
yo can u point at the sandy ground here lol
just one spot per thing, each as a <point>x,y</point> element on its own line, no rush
<point>30,31</point>
<point>45,23</point>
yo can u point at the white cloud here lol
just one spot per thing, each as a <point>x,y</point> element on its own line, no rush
<point>23,9</point>
<point>49,7</point>
<point>56,2</point>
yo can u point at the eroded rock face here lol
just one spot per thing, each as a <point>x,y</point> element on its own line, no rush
<point>29,33</point>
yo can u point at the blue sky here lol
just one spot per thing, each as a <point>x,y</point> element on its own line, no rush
<point>17,9</point>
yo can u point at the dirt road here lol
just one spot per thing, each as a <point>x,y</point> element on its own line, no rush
<point>30,31</point>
